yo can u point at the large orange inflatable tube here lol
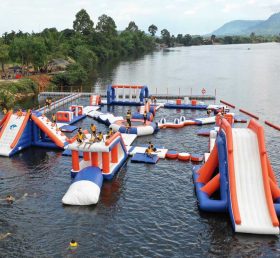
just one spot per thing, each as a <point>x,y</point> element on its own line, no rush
<point>207,170</point>
<point>258,129</point>
<point>212,186</point>
<point>232,182</point>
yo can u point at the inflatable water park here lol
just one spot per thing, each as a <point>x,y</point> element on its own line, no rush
<point>235,176</point>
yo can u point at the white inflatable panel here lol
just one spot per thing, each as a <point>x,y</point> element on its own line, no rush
<point>128,138</point>
<point>82,193</point>
<point>160,152</point>
<point>253,208</point>
<point>207,120</point>
<point>90,109</point>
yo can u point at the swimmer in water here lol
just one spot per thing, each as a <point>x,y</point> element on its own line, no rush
<point>3,236</point>
<point>10,199</point>
<point>73,244</point>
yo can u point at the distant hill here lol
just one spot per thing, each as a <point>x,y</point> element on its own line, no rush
<point>271,26</point>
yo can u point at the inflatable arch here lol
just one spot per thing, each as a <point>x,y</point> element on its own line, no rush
<point>131,94</point>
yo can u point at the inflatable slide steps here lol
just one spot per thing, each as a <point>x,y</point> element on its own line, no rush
<point>50,130</point>
<point>11,132</point>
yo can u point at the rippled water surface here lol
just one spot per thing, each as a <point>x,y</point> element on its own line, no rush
<point>146,210</point>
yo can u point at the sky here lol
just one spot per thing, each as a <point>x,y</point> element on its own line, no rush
<point>178,16</point>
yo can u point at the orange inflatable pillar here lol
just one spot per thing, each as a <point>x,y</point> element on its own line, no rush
<point>115,154</point>
<point>212,186</point>
<point>106,162</point>
<point>207,170</point>
<point>75,160</point>
<point>86,156</point>
<point>275,191</point>
<point>270,172</point>
<point>94,159</point>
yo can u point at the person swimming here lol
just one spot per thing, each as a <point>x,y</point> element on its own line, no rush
<point>10,199</point>
<point>73,244</point>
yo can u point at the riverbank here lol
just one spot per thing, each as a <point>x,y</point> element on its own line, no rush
<point>14,90</point>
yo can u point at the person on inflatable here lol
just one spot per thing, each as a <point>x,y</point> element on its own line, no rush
<point>80,136</point>
<point>110,133</point>
<point>128,117</point>
<point>4,111</point>
<point>93,129</point>
<point>19,113</point>
<point>149,151</point>
<point>54,119</point>
<point>152,146</point>
<point>145,117</point>
<point>208,112</point>
<point>100,137</point>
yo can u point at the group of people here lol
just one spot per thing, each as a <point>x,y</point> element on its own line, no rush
<point>95,137</point>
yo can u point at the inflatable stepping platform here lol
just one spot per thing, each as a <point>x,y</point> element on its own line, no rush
<point>143,158</point>
<point>68,128</point>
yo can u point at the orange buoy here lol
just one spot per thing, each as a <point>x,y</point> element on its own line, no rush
<point>184,156</point>
<point>196,157</point>
<point>171,155</point>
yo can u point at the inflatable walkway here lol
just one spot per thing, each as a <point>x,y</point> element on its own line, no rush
<point>239,168</point>
<point>13,135</point>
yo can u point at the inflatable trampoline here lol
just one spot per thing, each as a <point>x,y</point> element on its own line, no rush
<point>137,127</point>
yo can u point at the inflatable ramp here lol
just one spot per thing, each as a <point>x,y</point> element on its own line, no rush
<point>238,167</point>
<point>49,130</point>
<point>12,132</point>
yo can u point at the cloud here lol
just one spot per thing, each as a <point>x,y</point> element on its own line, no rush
<point>230,7</point>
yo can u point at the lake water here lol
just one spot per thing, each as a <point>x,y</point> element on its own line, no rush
<point>146,210</point>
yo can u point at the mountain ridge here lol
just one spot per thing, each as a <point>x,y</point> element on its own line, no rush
<point>271,26</point>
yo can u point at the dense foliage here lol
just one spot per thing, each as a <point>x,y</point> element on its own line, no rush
<point>10,91</point>
<point>86,44</point>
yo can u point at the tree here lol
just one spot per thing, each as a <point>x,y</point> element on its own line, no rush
<point>4,54</point>
<point>86,58</point>
<point>39,52</point>
<point>197,40</point>
<point>132,27</point>
<point>106,25</point>
<point>187,40</point>
<point>228,40</point>
<point>153,29</point>
<point>166,38</point>
<point>83,23</point>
